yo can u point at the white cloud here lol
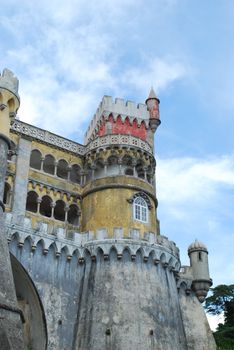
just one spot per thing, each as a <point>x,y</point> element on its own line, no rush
<point>160,72</point>
<point>190,179</point>
<point>196,198</point>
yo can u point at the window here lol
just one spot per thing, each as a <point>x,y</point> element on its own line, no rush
<point>6,196</point>
<point>31,204</point>
<point>45,206</point>
<point>75,173</point>
<point>35,159</point>
<point>140,209</point>
<point>48,164</point>
<point>62,169</point>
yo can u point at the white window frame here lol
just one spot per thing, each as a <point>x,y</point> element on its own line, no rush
<point>140,209</point>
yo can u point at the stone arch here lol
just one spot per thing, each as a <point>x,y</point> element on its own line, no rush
<point>73,215</point>
<point>49,164</point>
<point>75,173</point>
<point>15,237</point>
<point>129,171</point>
<point>171,262</point>
<point>35,329</point>
<point>152,256</point>
<point>59,210</point>
<point>53,249</point>
<point>62,169</point>
<point>99,253</point>
<point>113,253</point>
<point>88,172</point>
<point>11,105</point>
<point>163,258</point>
<point>99,168</point>
<point>46,206</point>
<point>31,202</point>
<point>126,254</point>
<point>35,159</point>
<point>139,169</point>
<point>7,194</point>
<point>112,160</point>
<point>40,244</point>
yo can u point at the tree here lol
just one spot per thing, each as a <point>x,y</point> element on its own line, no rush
<point>221,300</point>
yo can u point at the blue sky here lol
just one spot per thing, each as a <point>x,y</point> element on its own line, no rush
<point>67,55</point>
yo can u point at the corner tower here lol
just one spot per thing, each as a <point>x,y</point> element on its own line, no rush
<point>11,317</point>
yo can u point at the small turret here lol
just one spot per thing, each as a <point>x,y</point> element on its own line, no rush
<point>9,100</point>
<point>198,255</point>
<point>152,103</point>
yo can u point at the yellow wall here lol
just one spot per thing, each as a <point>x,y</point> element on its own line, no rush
<point>109,208</point>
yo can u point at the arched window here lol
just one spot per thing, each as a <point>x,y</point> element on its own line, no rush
<point>140,209</point>
<point>129,171</point>
<point>73,215</point>
<point>6,196</point>
<point>62,169</point>
<point>59,210</point>
<point>31,204</point>
<point>35,159</point>
<point>45,206</point>
<point>48,164</point>
<point>75,173</point>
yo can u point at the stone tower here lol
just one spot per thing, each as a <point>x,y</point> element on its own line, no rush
<point>11,317</point>
<point>90,267</point>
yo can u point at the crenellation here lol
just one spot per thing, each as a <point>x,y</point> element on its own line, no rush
<point>9,81</point>
<point>117,108</point>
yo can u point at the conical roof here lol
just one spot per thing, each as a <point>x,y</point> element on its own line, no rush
<point>152,95</point>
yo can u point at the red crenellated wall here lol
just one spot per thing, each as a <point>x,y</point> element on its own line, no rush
<point>119,127</point>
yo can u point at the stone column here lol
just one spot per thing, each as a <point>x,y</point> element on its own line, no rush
<point>120,162</point>
<point>42,161</point>
<point>21,179</point>
<point>66,209</point>
<point>11,330</point>
<point>105,167</point>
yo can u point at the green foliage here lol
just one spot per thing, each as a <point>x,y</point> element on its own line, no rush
<point>218,301</point>
<point>224,337</point>
<point>222,300</point>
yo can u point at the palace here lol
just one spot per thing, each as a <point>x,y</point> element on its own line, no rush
<point>82,260</point>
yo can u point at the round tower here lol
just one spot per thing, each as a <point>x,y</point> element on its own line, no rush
<point>129,297</point>
<point>198,255</point>
<point>119,192</point>
<point>11,334</point>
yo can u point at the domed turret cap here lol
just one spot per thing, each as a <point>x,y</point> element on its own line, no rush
<point>197,245</point>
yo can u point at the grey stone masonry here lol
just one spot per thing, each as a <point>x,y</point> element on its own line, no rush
<point>10,323</point>
<point>21,178</point>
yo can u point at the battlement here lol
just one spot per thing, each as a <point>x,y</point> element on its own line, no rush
<point>21,229</point>
<point>9,81</point>
<point>118,107</point>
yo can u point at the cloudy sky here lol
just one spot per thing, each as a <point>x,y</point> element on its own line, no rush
<point>68,54</point>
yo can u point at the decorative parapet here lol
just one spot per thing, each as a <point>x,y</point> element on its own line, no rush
<point>9,82</point>
<point>158,247</point>
<point>122,140</point>
<point>47,137</point>
<point>74,147</point>
<point>118,107</point>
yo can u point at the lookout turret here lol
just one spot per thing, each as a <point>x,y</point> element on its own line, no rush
<point>9,100</point>
<point>198,255</point>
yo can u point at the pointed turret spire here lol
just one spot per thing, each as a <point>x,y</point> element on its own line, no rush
<point>152,94</point>
<point>152,103</point>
